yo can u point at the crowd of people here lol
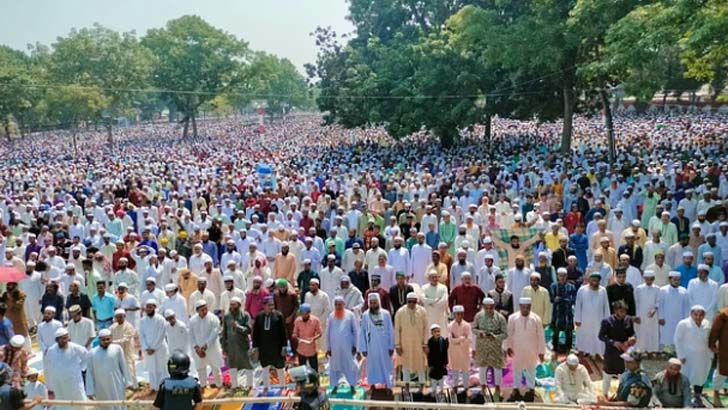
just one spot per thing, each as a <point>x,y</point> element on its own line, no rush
<point>377,261</point>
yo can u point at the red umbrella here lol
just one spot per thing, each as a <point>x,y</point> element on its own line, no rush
<point>11,274</point>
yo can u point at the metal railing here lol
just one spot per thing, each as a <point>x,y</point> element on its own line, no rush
<point>394,405</point>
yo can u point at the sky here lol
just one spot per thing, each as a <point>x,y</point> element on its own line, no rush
<point>280,27</point>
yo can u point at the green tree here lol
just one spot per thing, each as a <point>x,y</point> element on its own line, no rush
<point>76,105</point>
<point>117,64</point>
<point>281,85</point>
<point>16,93</point>
<point>195,63</point>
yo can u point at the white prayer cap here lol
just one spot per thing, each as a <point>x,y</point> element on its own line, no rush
<point>723,224</point>
<point>518,217</point>
<point>202,279</point>
<point>231,263</point>
<point>572,360</point>
<point>488,301</point>
<point>31,372</point>
<point>60,332</point>
<point>119,312</point>
<point>122,285</point>
<point>315,280</point>
<point>123,260</point>
<point>236,300</point>
<point>170,287</point>
<point>708,253</point>
<point>151,279</point>
<point>411,295</point>
<point>458,309</point>
<point>704,267</point>
<point>434,326</point>
<point>489,256</point>
<point>104,333</point>
<point>562,270</point>
<point>487,239</point>
<point>524,301</point>
<point>629,234</point>
<point>697,307</point>
<point>285,244</point>
<point>307,261</point>
<point>339,298</point>
<point>200,303</point>
<point>462,251</point>
<point>543,255</point>
<point>374,296</point>
<point>636,222</point>
<point>50,309</point>
<point>465,274</point>
<point>17,341</point>
<point>649,274</point>
<point>70,266</point>
<point>257,278</point>
<point>345,278</point>
<point>228,278</point>
<point>674,361</point>
<point>151,301</point>
<point>536,275</point>
<point>687,254</point>
<point>168,313</point>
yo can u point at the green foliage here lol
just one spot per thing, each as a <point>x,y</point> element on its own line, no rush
<point>195,63</point>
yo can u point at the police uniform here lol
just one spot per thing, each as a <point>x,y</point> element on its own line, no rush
<point>178,393</point>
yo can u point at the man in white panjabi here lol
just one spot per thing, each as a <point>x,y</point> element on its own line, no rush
<point>154,347</point>
<point>691,347</point>
<point>420,256</point>
<point>63,364</point>
<point>703,291</point>
<point>435,300</point>
<point>526,344</point>
<point>647,301</point>
<point>205,339</point>
<point>592,306</point>
<point>573,384</point>
<point>107,375</point>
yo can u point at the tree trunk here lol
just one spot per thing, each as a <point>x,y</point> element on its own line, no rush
<point>568,119</point>
<point>73,138</point>
<point>186,121</point>
<point>609,123</point>
<point>194,126</point>
<point>447,138</point>
<point>6,125</point>
<point>488,131</point>
<point>110,135</point>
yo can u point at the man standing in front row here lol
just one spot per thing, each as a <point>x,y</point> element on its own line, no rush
<point>376,343</point>
<point>525,343</point>
<point>154,347</point>
<point>63,364</point>
<point>341,339</point>
<point>107,375</point>
<point>410,339</point>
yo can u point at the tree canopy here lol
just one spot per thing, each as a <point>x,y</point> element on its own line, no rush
<point>462,61</point>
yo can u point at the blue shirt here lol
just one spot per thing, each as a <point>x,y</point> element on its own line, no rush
<point>686,273</point>
<point>103,308</point>
<point>6,332</point>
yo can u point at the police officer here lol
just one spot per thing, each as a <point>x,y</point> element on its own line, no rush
<point>179,391</point>
<point>10,397</point>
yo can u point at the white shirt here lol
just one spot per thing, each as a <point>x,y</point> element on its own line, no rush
<point>80,332</point>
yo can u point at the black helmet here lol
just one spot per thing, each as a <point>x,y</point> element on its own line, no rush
<point>178,364</point>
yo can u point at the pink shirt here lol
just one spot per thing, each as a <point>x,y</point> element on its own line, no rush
<point>306,330</point>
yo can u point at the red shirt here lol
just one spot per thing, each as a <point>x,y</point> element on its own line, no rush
<point>469,297</point>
